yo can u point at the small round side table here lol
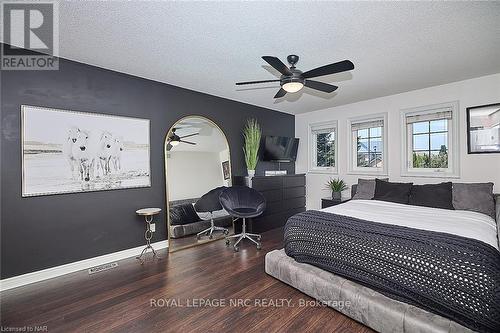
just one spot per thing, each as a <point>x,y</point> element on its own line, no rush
<point>148,214</point>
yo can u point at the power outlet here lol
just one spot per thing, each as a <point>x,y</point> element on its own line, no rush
<point>153,227</point>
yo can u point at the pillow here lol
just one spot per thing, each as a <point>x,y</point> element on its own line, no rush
<point>476,197</point>
<point>432,195</point>
<point>366,189</point>
<point>392,192</point>
<point>183,214</point>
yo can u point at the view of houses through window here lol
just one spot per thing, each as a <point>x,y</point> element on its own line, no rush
<point>369,147</point>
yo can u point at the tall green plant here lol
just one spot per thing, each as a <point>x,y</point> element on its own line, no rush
<point>252,135</point>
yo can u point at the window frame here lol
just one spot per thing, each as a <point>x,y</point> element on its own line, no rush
<point>353,151</point>
<point>313,168</point>
<point>453,130</point>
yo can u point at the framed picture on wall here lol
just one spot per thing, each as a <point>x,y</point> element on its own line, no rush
<point>483,129</point>
<point>68,151</point>
<point>225,170</point>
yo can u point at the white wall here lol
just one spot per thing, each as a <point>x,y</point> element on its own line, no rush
<point>473,168</point>
<point>192,174</point>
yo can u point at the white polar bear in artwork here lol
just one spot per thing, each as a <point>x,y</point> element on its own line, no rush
<point>67,149</point>
<point>104,151</point>
<point>84,156</point>
<point>116,153</point>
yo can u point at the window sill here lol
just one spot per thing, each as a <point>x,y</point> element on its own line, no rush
<point>325,172</point>
<point>368,172</point>
<point>429,174</point>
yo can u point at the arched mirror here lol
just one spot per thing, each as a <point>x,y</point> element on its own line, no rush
<point>197,168</point>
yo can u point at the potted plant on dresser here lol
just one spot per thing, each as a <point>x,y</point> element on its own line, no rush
<point>252,135</point>
<point>336,185</point>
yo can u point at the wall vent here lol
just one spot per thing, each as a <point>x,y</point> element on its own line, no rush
<point>101,268</point>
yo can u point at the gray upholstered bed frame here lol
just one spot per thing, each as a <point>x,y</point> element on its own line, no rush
<point>377,311</point>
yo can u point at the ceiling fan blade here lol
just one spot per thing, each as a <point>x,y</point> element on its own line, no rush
<point>325,87</point>
<point>277,65</point>
<point>253,82</point>
<point>337,67</point>
<point>187,136</point>
<point>281,93</point>
<point>188,142</point>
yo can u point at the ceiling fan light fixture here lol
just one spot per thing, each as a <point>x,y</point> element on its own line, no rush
<point>292,87</point>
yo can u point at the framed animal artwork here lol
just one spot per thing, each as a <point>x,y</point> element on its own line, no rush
<point>69,151</point>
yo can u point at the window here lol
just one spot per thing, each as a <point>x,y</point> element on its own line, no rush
<point>323,147</point>
<point>431,146</point>
<point>367,151</point>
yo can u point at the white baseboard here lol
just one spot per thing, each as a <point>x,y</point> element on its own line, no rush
<point>53,272</point>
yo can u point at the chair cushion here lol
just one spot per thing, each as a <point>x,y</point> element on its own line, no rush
<point>242,201</point>
<point>244,210</point>
<point>392,192</point>
<point>209,202</point>
<point>432,195</point>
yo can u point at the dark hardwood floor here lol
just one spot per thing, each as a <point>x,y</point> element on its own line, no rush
<point>119,300</point>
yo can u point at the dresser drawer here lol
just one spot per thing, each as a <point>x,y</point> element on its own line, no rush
<point>294,203</point>
<point>273,207</point>
<point>294,181</point>
<point>267,183</point>
<point>294,192</point>
<point>273,195</point>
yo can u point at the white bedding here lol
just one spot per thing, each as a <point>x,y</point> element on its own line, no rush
<point>458,222</point>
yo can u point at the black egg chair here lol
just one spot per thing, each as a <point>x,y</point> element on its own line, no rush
<point>210,203</point>
<point>243,202</point>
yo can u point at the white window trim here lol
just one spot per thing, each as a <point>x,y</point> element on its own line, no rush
<point>353,168</point>
<point>453,170</point>
<point>312,149</point>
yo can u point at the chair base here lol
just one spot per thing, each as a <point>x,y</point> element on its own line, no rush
<point>209,231</point>
<point>242,235</point>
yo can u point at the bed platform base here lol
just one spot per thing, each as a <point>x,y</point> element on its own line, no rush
<point>360,303</point>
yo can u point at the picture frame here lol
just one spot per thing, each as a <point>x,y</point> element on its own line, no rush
<point>225,170</point>
<point>483,129</point>
<point>66,151</point>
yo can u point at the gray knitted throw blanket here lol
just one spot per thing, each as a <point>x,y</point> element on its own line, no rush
<point>453,276</point>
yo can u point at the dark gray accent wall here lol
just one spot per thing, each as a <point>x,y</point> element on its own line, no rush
<point>47,231</point>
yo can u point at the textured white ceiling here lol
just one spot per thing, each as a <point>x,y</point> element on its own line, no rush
<point>208,46</point>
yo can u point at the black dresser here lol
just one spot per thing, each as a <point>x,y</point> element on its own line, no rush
<point>285,196</point>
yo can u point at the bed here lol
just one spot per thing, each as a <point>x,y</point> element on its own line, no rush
<point>374,306</point>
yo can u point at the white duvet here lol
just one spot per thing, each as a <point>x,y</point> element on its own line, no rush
<point>458,222</point>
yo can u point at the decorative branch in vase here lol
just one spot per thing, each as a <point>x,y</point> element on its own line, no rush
<point>252,134</point>
<point>336,185</point>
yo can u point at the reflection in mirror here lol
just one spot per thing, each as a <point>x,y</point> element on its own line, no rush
<point>197,166</point>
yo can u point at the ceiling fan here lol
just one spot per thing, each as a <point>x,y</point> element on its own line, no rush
<point>292,79</point>
<point>174,139</point>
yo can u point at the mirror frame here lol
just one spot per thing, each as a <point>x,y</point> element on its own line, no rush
<point>167,206</point>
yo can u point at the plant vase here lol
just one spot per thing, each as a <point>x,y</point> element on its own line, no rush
<point>337,195</point>
<point>251,173</point>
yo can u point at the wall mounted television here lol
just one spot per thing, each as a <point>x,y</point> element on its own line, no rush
<point>279,148</point>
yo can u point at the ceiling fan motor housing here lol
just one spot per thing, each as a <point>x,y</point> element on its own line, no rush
<point>292,59</point>
<point>295,77</point>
